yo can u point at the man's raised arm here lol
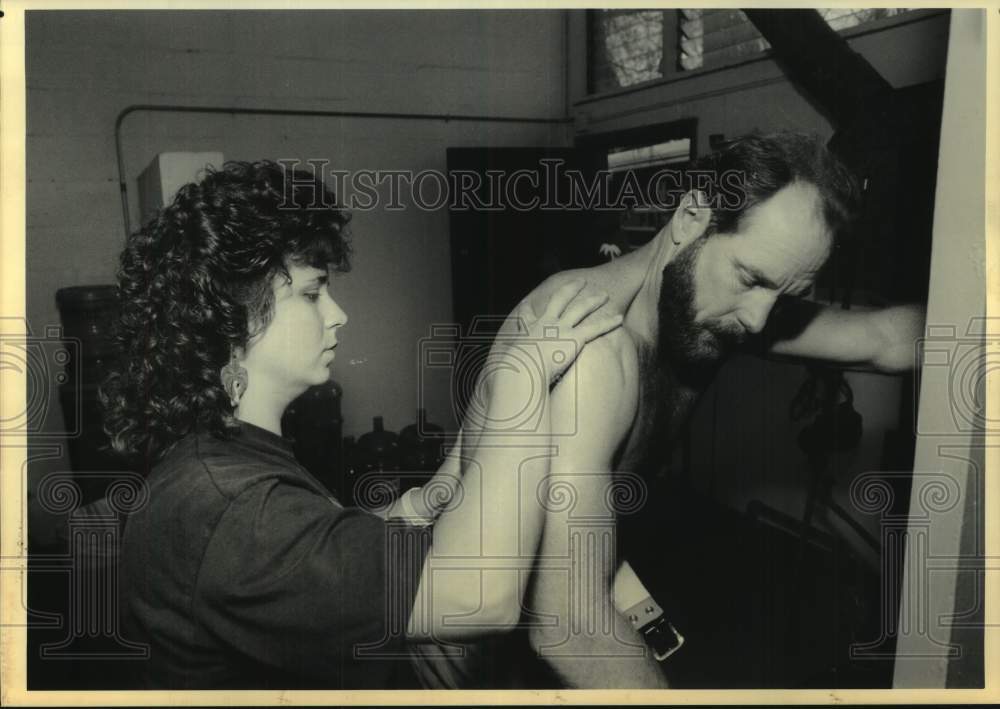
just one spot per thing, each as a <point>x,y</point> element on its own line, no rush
<point>883,339</point>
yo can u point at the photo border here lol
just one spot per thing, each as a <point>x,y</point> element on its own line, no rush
<point>13,451</point>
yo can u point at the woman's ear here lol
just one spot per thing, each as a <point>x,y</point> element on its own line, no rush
<point>240,351</point>
<point>691,219</point>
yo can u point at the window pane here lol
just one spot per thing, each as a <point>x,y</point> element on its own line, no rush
<point>629,47</point>
<point>717,37</point>
<point>626,48</point>
<point>667,153</point>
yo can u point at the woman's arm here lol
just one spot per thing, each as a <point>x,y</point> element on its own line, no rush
<point>485,539</point>
<point>423,504</point>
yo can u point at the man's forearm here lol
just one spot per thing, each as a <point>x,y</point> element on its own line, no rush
<point>597,662</point>
<point>883,339</point>
<point>576,629</point>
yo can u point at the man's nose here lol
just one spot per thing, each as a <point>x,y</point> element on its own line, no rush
<point>755,314</point>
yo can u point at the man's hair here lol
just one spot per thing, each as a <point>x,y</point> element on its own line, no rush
<point>193,282</point>
<point>747,171</point>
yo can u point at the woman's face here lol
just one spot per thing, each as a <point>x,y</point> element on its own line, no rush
<point>296,348</point>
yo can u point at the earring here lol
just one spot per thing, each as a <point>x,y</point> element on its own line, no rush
<point>234,379</point>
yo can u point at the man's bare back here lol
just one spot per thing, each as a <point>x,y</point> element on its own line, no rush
<point>622,349</point>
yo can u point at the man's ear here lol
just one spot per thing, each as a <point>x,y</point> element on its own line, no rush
<point>692,218</point>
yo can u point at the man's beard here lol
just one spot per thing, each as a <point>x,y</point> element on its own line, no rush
<point>683,344</point>
<point>679,366</point>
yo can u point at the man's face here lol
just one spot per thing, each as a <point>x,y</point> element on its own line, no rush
<point>717,291</point>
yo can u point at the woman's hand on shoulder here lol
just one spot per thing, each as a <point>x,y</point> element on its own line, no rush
<point>556,336</point>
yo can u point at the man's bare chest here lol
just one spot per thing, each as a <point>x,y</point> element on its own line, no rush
<point>662,412</point>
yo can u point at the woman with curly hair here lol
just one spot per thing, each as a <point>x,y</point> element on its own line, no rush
<point>242,571</point>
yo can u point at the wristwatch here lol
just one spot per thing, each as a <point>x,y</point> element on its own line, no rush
<point>656,630</point>
<point>407,512</point>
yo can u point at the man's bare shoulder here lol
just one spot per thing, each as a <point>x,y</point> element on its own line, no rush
<point>619,278</point>
<point>600,393</point>
<point>540,296</point>
<point>606,378</point>
<point>614,348</point>
<point>612,359</point>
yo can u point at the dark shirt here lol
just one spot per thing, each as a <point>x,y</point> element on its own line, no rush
<point>242,571</point>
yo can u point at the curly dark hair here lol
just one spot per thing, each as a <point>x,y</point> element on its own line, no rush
<point>749,170</point>
<point>191,282</point>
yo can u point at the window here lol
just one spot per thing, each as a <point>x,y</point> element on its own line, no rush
<point>630,47</point>
<point>714,37</point>
<point>667,153</point>
<point>636,159</point>
<point>639,222</point>
<point>627,47</point>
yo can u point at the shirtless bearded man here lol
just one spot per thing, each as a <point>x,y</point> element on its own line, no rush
<point>720,276</point>
<point>713,281</point>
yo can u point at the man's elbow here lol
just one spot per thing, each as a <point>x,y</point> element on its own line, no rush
<point>546,633</point>
<point>495,611</point>
<point>502,608</point>
<point>901,329</point>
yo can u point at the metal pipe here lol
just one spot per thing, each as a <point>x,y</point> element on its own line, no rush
<point>235,110</point>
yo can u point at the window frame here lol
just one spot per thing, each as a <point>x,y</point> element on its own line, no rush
<point>768,55</point>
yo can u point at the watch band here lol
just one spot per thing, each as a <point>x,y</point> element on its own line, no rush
<point>408,512</point>
<point>656,630</point>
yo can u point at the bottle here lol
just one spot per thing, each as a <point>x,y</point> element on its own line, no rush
<point>314,424</point>
<point>378,449</point>
<point>87,350</point>
<point>420,444</point>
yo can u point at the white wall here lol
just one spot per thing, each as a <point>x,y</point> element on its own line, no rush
<point>83,68</point>
<point>948,500</point>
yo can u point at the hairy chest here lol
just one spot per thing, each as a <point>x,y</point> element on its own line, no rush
<point>665,406</point>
